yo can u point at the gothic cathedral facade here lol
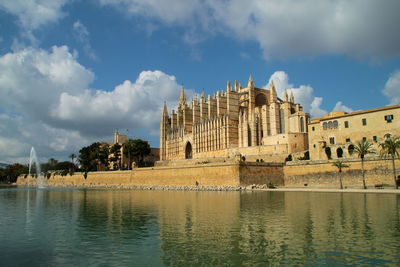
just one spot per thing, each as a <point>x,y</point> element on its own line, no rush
<point>239,120</point>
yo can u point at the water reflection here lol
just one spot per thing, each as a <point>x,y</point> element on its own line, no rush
<point>157,228</point>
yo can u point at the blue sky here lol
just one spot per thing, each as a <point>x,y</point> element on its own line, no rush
<point>71,72</point>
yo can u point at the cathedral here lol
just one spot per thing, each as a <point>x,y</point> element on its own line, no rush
<point>245,121</point>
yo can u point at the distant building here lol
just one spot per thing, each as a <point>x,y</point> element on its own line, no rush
<point>333,135</point>
<point>121,139</point>
<point>241,120</point>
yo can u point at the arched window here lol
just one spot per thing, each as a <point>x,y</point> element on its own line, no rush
<point>302,125</point>
<point>328,152</point>
<point>351,149</point>
<point>282,119</point>
<point>339,152</point>
<point>335,124</point>
<point>188,151</point>
<point>249,136</point>
<point>325,125</point>
<point>330,124</point>
<point>260,100</point>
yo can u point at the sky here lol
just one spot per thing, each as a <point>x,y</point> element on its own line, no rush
<point>74,71</point>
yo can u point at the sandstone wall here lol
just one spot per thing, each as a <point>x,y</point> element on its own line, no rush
<point>261,173</point>
<point>324,174</point>
<point>293,174</point>
<point>207,174</point>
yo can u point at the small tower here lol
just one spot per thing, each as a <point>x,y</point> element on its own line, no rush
<point>163,131</point>
<point>291,97</point>
<point>250,83</point>
<point>236,86</point>
<point>182,99</point>
<point>272,92</point>
<point>116,136</point>
<point>286,96</point>
<point>228,86</point>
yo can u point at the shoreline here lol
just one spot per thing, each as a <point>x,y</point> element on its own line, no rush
<point>231,188</point>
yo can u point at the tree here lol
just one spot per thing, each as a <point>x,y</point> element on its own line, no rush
<point>89,157</point>
<point>137,149</point>
<point>363,148</point>
<point>104,152</point>
<point>390,149</point>
<point>115,151</point>
<point>10,173</point>
<point>340,165</point>
<point>52,163</point>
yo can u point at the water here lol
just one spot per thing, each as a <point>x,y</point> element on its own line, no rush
<point>33,161</point>
<point>76,227</point>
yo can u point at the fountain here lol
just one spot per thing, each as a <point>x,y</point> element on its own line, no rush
<point>39,176</point>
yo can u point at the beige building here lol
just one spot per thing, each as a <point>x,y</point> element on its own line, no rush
<point>333,135</point>
<point>240,120</point>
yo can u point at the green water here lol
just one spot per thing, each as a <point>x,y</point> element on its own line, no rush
<point>60,227</point>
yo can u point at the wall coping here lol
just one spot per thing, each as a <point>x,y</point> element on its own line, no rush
<point>324,161</point>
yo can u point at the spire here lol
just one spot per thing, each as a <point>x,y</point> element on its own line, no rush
<point>165,111</point>
<point>203,96</point>
<point>272,92</point>
<point>228,86</point>
<point>237,86</point>
<point>250,84</point>
<point>182,98</point>
<point>285,96</point>
<point>291,97</point>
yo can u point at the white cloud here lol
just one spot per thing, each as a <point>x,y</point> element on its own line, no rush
<point>82,34</point>
<point>303,94</point>
<point>340,107</point>
<point>284,28</point>
<point>33,14</point>
<point>392,88</point>
<point>315,107</point>
<point>46,102</point>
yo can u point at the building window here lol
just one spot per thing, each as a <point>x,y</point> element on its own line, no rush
<point>348,140</point>
<point>313,128</point>
<point>314,145</point>
<point>332,140</point>
<point>335,124</point>
<point>364,139</point>
<point>388,118</point>
<point>301,124</point>
<point>364,122</point>
<point>330,125</point>
<point>325,125</point>
<point>351,149</point>
<point>346,124</point>
<point>375,138</point>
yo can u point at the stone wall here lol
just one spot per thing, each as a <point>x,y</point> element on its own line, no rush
<point>324,174</point>
<point>207,174</point>
<point>261,173</point>
<point>293,174</point>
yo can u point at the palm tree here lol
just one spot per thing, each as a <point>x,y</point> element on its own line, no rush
<point>390,148</point>
<point>340,165</point>
<point>363,148</point>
